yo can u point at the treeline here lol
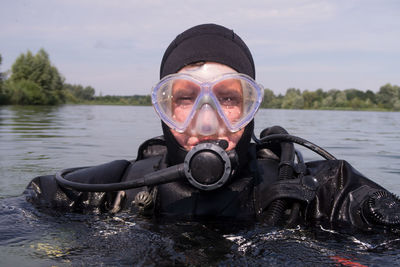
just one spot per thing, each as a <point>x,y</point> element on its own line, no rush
<point>135,100</point>
<point>387,98</point>
<point>33,80</point>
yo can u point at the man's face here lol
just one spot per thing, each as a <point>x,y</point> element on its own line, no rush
<point>206,123</point>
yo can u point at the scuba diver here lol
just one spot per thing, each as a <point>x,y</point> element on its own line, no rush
<point>207,166</point>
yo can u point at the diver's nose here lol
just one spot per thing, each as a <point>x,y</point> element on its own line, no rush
<point>207,121</point>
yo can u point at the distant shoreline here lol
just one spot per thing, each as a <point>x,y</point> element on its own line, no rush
<point>121,103</point>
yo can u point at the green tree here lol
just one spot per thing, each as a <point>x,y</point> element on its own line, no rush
<point>34,80</point>
<point>319,96</point>
<point>309,98</point>
<point>270,100</point>
<point>355,93</point>
<point>371,96</point>
<point>78,92</point>
<point>341,99</point>
<point>327,102</point>
<point>388,95</point>
<point>4,92</point>
<point>88,93</point>
<point>293,99</point>
<point>26,92</point>
<point>396,105</point>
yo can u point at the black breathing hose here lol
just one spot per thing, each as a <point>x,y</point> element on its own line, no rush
<point>296,205</point>
<point>167,175</point>
<point>298,140</point>
<point>207,167</point>
<point>275,210</point>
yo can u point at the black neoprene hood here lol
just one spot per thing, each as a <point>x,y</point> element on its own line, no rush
<point>207,42</point>
<point>212,43</point>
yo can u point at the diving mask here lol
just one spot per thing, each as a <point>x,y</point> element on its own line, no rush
<point>208,98</point>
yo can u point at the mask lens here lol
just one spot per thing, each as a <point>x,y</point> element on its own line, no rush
<point>229,94</point>
<point>184,96</point>
<point>174,100</point>
<point>238,99</point>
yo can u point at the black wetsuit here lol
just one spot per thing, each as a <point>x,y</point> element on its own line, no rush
<point>328,191</point>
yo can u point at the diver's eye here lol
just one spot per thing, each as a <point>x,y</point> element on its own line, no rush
<point>184,93</point>
<point>185,100</point>
<point>229,101</point>
<point>229,93</point>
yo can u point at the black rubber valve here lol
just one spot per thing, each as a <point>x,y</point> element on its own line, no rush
<point>207,166</point>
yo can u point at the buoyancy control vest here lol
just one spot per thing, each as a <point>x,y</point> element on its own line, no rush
<point>328,191</point>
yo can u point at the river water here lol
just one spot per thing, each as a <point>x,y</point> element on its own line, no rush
<point>42,140</point>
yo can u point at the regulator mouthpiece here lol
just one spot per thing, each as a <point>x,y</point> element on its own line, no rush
<point>207,166</point>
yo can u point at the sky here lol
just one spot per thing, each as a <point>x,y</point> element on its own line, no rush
<point>116,46</point>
